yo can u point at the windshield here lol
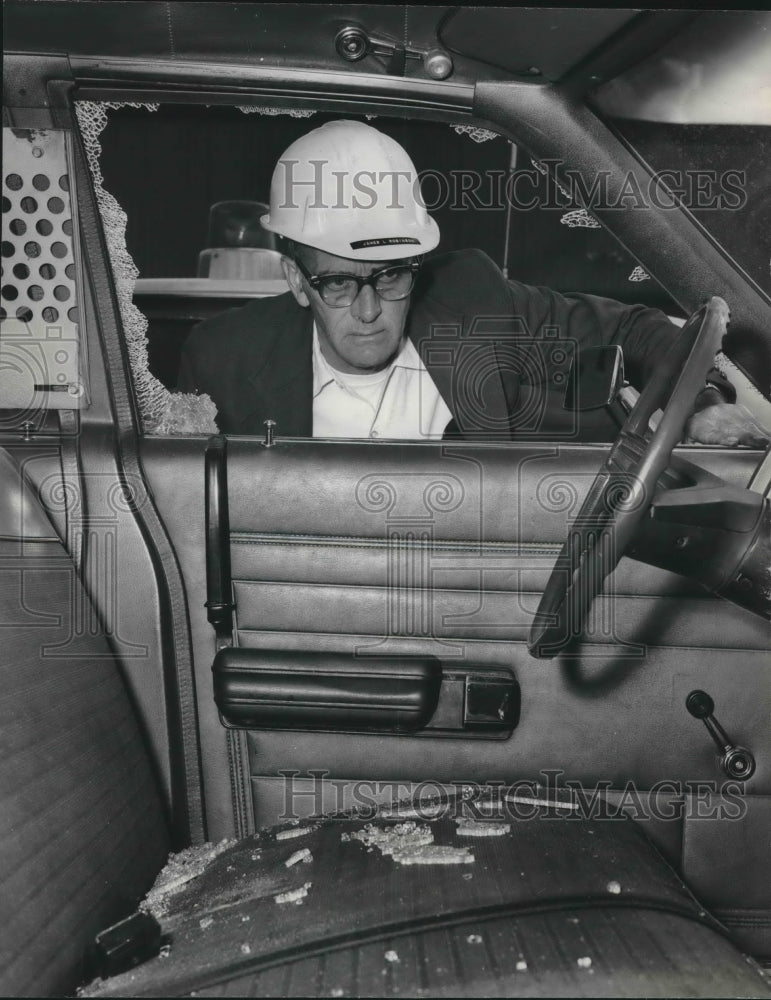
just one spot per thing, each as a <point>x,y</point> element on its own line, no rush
<point>698,111</point>
<point>720,173</point>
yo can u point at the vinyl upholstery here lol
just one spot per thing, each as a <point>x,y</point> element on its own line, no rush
<point>82,826</point>
<point>563,894</point>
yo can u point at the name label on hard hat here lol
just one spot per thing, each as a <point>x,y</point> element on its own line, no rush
<point>386,241</point>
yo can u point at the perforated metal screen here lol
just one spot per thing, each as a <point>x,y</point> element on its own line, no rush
<point>40,350</point>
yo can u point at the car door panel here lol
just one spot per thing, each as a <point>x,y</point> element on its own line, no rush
<point>478,615</point>
<point>428,549</point>
<point>359,549</point>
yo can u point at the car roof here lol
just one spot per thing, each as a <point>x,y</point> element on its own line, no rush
<point>639,63</point>
<point>544,44</point>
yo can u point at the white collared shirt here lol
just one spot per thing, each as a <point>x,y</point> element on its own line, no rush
<point>401,401</point>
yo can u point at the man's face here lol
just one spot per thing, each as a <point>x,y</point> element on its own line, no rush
<point>362,337</point>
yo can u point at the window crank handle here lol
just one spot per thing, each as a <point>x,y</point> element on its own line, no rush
<point>736,761</point>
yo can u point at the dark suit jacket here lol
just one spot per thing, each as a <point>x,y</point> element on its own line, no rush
<point>491,346</point>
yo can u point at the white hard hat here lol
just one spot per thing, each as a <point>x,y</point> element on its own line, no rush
<point>350,190</point>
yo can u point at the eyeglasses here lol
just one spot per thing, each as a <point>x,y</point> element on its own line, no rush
<point>391,283</point>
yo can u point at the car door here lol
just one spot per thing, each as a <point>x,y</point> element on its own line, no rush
<point>349,550</point>
<point>402,550</point>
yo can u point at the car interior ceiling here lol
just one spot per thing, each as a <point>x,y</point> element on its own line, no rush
<point>270,723</point>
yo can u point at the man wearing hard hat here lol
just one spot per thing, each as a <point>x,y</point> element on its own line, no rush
<point>369,342</point>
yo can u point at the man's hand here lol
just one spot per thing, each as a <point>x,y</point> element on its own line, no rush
<point>727,424</point>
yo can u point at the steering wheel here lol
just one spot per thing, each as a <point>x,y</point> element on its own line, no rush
<point>622,491</point>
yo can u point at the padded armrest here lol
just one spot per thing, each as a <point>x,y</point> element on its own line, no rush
<point>276,689</point>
